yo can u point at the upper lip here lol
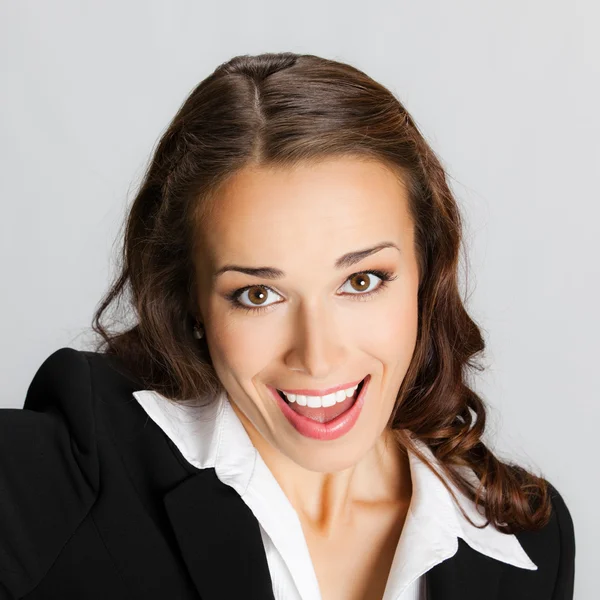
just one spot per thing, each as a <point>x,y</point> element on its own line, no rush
<point>324,392</point>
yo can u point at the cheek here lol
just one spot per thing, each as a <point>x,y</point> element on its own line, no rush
<point>403,328</point>
<point>390,332</point>
<point>239,352</point>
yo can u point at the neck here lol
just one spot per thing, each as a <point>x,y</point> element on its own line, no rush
<point>328,502</point>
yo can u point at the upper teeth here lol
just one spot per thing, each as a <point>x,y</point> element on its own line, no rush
<point>319,401</point>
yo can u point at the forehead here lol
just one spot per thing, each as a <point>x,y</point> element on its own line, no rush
<point>318,209</point>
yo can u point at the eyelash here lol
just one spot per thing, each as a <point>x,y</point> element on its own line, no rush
<point>385,277</point>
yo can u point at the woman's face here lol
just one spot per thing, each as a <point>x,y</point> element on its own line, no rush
<point>314,325</point>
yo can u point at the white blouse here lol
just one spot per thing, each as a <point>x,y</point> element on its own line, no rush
<point>212,436</point>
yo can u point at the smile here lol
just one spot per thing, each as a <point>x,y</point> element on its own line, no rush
<point>324,422</point>
<point>315,401</point>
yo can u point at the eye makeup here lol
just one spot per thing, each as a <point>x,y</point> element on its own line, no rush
<point>384,275</point>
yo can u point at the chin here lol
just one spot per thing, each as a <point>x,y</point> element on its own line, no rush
<point>323,460</point>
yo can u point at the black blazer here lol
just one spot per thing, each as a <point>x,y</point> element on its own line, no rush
<point>97,503</point>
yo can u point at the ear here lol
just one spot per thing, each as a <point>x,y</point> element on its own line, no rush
<point>193,309</point>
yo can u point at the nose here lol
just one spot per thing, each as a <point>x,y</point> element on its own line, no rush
<point>317,346</point>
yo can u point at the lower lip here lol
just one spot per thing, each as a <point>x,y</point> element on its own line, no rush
<point>324,431</point>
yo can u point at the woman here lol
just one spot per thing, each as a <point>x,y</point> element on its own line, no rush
<point>289,415</point>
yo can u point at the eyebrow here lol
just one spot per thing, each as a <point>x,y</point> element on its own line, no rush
<point>343,262</point>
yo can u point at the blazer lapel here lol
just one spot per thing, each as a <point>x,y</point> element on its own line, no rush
<point>468,575</point>
<point>219,538</point>
<point>221,545</point>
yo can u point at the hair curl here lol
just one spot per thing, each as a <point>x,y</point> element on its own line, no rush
<point>280,110</point>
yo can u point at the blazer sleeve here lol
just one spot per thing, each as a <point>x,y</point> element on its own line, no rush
<point>48,470</point>
<point>565,579</point>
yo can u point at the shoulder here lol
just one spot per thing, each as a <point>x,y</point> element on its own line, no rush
<point>58,421</point>
<point>552,549</point>
<point>49,471</point>
<point>56,411</point>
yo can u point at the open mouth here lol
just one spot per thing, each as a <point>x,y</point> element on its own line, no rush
<point>324,422</point>
<point>354,396</point>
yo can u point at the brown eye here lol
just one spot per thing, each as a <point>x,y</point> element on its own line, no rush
<point>361,285</point>
<point>360,281</point>
<point>366,283</point>
<point>256,296</point>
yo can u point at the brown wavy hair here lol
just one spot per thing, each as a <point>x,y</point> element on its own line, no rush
<point>280,110</point>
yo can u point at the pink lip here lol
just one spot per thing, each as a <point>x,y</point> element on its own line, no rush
<point>331,390</point>
<point>323,431</point>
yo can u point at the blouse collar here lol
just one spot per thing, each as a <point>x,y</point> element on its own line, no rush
<point>212,436</point>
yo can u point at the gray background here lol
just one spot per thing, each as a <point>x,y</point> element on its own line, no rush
<point>506,92</point>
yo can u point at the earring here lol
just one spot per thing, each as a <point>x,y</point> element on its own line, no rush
<point>198,331</point>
